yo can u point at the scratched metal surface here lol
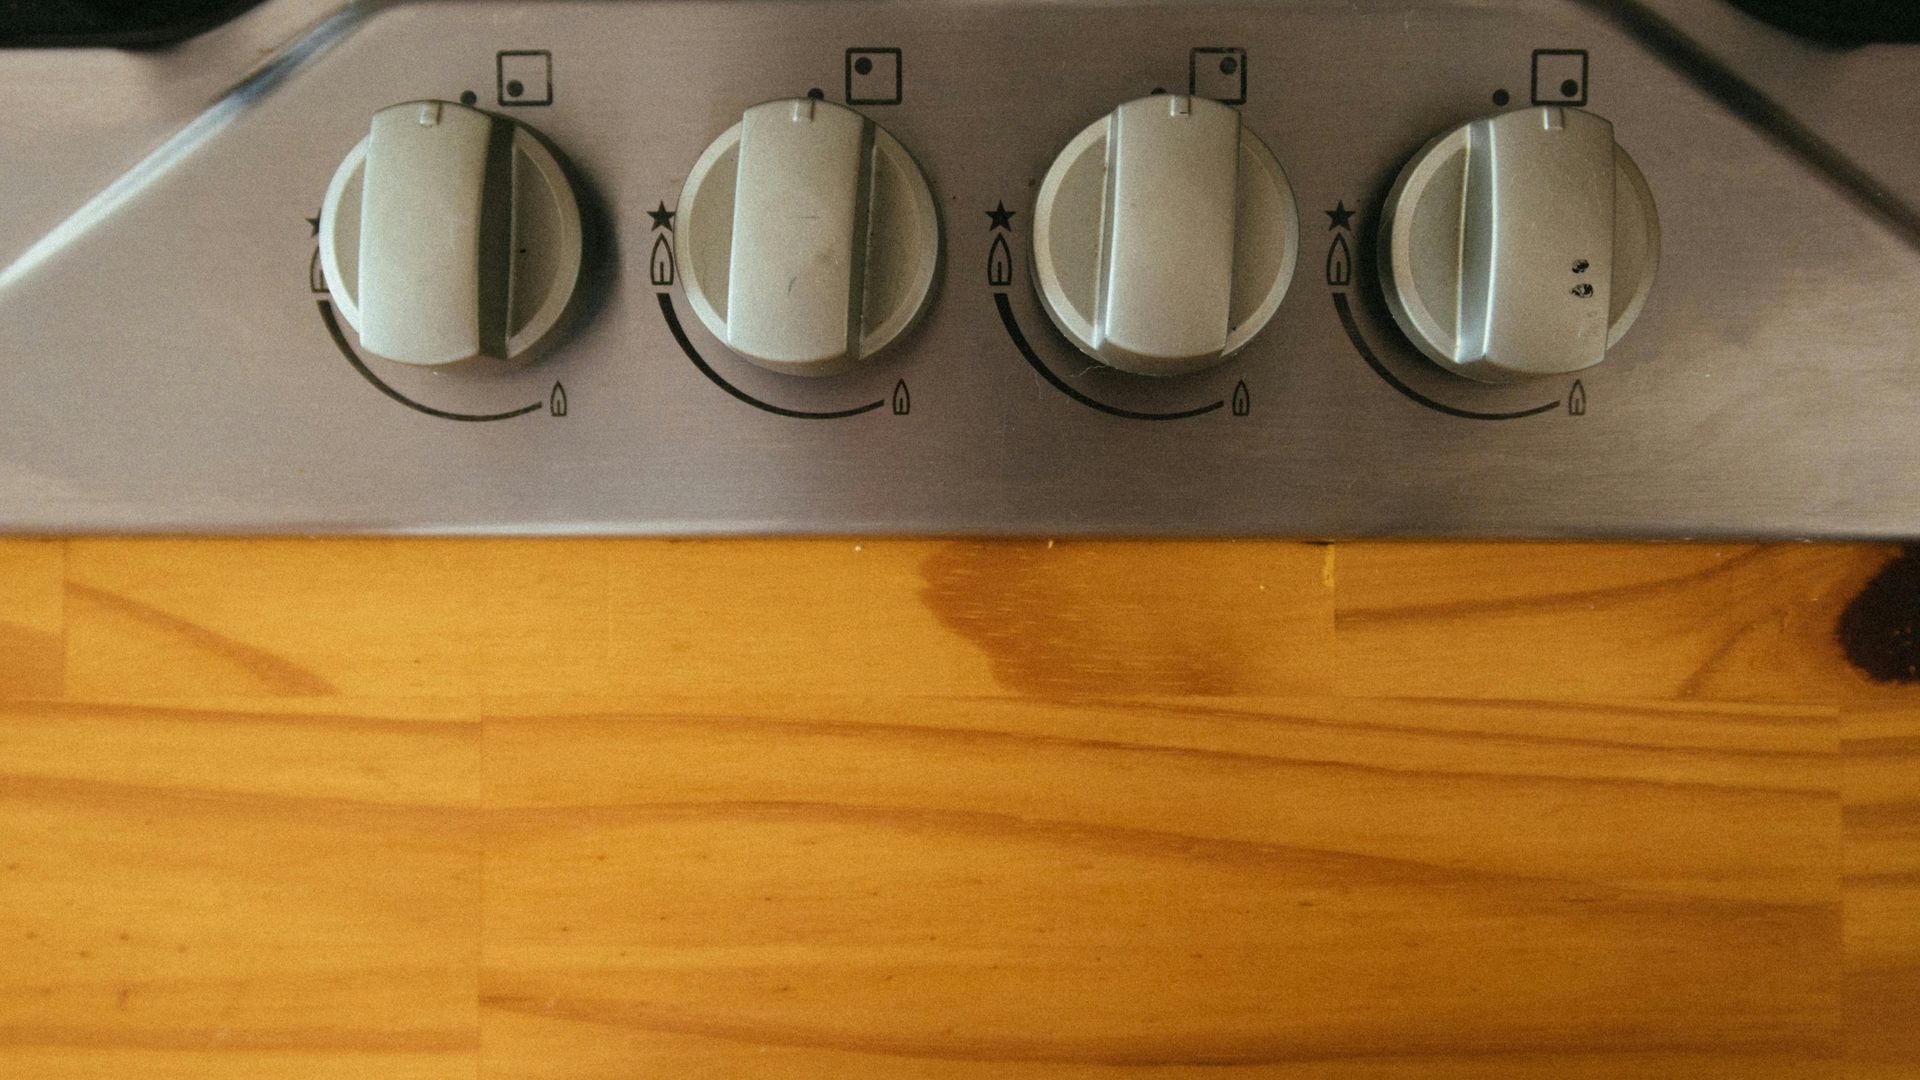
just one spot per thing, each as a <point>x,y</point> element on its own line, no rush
<point>169,367</point>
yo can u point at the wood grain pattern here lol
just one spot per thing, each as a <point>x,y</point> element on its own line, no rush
<point>540,809</point>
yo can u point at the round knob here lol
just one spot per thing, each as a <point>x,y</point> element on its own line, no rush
<point>1164,236</point>
<point>1519,245</point>
<point>809,240</point>
<point>448,234</point>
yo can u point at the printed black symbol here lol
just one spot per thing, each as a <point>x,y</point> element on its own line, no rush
<point>1000,263</point>
<point>468,97</point>
<point>1339,217</point>
<point>316,279</point>
<point>1339,262</point>
<point>1560,77</point>
<point>1242,400</point>
<point>1501,97</point>
<point>525,76</point>
<point>662,218</point>
<point>1219,73</point>
<point>557,401</point>
<point>902,401</point>
<point>1581,266</point>
<point>1583,290</point>
<point>662,262</point>
<point>1577,400</point>
<point>1000,217</point>
<point>875,76</point>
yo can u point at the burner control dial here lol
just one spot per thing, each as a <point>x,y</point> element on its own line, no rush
<point>1519,245</point>
<point>448,234</point>
<point>1164,236</point>
<point>809,240</point>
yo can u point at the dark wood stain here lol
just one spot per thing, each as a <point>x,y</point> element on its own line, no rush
<point>1071,621</point>
<point>1880,630</point>
<point>31,663</point>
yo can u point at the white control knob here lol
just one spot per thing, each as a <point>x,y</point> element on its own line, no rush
<point>448,234</point>
<point>1519,245</point>
<point>809,240</point>
<point>1165,236</point>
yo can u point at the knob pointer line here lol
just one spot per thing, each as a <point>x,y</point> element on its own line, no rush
<point>340,341</point>
<point>1340,274</point>
<point>1360,346</point>
<point>679,333</point>
<point>404,269</point>
<point>1000,273</point>
<point>1007,320</point>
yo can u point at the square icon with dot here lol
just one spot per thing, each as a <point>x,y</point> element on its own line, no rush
<point>526,77</point>
<point>875,77</point>
<point>1218,73</point>
<point>1560,77</point>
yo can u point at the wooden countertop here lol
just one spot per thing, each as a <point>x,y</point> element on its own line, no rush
<point>545,809</point>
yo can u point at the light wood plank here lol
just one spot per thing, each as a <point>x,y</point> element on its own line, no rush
<point>1582,622</point>
<point>465,618</point>
<point>1882,795</point>
<point>1229,888</point>
<point>894,808</point>
<point>219,892</point>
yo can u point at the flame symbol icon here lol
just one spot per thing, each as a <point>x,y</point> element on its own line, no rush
<point>1242,400</point>
<point>1577,400</point>
<point>557,401</point>
<point>1339,263</point>
<point>902,401</point>
<point>1000,264</point>
<point>662,262</point>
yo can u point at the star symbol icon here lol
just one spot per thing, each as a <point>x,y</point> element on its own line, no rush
<point>1341,217</point>
<point>662,218</point>
<point>1002,217</point>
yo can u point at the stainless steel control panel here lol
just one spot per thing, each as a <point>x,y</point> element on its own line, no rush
<point>174,357</point>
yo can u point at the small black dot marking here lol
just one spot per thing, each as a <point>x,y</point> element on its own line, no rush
<point>468,97</point>
<point>1570,88</point>
<point>817,94</point>
<point>1229,66</point>
<point>863,66</point>
<point>1501,97</point>
<point>515,88</point>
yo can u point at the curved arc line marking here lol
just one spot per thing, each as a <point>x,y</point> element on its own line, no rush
<point>686,345</point>
<point>1366,353</point>
<point>359,365</point>
<point>1026,349</point>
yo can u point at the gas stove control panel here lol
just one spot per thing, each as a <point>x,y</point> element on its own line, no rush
<point>1434,268</point>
